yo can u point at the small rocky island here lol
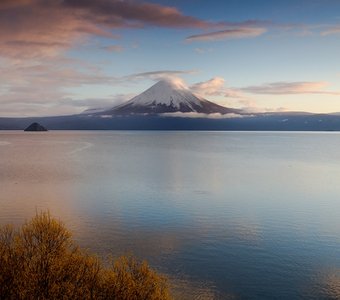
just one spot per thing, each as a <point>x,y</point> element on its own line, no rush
<point>35,127</point>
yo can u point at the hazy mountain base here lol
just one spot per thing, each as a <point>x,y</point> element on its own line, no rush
<point>273,121</point>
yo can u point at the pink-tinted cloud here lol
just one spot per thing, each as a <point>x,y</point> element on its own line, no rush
<point>114,48</point>
<point>331,30</point>
<point>38,28</point>
<point>35,30</point>
<point>135,13</point>
<point>284,88</point>
<point>232,33</point>
<point>215,87</point>
<point>6,4</point>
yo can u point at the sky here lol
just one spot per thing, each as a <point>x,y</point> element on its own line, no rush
<point>60,57</point>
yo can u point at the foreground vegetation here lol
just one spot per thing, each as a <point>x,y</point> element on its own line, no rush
<point>40,261</point>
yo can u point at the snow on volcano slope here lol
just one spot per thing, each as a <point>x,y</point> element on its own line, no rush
<point>166,97</point>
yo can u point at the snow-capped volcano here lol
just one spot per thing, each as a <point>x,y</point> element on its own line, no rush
<point>166,97</point>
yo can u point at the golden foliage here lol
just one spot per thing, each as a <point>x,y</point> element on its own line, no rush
<point>40,261</point>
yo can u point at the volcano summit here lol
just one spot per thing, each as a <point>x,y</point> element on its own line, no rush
<point>167,97</point>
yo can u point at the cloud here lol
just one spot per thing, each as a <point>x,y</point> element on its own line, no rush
<point>331,30</point>
<point>135,13</point>
<point>39,29</point>
<point>158,75</point>
<point>114,48</point>
<point>36,28</point>
<point>31,89</point>
<point>6,4</point>
<point>202,115</point>
<point>41,89</point>
<point>250,29</point>
<point>284,88</point>
<point>43,28</point>
<point>215,87</point>
<point>203,50</point>
<point>98,103</point>
<point>168,75</point>
<point>232,33</point>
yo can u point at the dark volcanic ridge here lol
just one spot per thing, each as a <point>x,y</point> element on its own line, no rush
<point>35,127</point>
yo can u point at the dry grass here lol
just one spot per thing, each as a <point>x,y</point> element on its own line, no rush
<point>40,261</point>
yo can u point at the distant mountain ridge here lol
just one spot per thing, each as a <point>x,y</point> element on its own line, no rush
<point>262,121</point>
<point>171,106</point>
<point>167,97</point>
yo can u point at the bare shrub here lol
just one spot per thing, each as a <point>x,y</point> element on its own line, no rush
<point>40,261</point>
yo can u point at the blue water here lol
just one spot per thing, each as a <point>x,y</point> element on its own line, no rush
<point>226,215</point>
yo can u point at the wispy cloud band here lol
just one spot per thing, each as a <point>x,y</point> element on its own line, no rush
<point>285,88</point>
<point>233,33</point>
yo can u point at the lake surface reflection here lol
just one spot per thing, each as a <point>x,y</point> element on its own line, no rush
<point>239,215</point>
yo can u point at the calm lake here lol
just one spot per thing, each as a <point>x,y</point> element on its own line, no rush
<point>226,215</point>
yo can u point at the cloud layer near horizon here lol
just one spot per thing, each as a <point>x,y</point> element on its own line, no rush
<point>286,88</point>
